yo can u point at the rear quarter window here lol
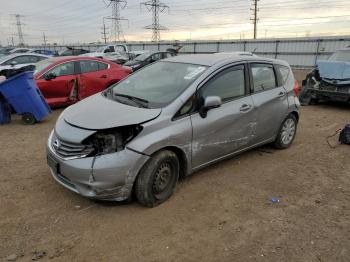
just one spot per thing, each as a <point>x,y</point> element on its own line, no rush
<point>284,76</point>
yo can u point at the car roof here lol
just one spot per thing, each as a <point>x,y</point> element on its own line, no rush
<point>212,59</point>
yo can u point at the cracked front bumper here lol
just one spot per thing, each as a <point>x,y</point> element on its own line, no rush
<point>111,177</point>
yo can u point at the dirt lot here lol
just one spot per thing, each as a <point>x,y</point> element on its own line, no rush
<point>222,213</point>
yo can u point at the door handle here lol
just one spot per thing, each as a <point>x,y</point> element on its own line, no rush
<point>104,76</point>
<point>282,94</point>
<point>245,108</point>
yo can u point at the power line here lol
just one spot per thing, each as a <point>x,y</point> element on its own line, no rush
<point>19,29</point>
<point>116,18</point>
<point>255,16</point>
<point>104,32</point>
<point>155,6</point>
<point>44,39</point>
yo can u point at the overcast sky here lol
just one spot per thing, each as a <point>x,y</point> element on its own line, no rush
<point>80,21</point>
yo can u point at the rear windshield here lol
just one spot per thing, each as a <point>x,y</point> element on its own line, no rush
<point>341,56</point>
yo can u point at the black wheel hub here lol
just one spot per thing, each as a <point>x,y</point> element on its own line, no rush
<point>162,178</point>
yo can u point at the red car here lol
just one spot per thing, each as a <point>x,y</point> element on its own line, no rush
<point>66,80</point>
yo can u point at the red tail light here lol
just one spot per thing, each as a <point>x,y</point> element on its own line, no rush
<point>296,88</point>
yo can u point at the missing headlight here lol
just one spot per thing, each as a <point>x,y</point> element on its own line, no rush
<point>113,140</point>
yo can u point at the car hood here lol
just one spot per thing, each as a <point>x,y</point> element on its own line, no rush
<point>98,112</point>
<point>334,70</point>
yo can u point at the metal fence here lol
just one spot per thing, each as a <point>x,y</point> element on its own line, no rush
<point>298,52</point>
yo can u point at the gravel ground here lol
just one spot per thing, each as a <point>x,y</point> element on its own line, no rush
<point>221,213</point>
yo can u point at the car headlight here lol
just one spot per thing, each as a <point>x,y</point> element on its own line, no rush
<point>111,141</point>
<point>134,66</point>
<point>107,143</point>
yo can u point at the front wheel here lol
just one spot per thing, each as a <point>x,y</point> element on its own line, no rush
<point>157,179</point>
<point>286,133</point>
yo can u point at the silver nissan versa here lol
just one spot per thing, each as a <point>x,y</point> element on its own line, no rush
<point>169,120</point>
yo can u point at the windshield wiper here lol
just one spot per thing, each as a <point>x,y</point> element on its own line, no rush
<point>137,100</point>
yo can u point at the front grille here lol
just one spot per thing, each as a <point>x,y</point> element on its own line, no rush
<point>68,150</point>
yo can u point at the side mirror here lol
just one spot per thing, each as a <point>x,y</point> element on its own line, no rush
<point>49,77</point>
<point>13,63</point>
<point>210,102</point>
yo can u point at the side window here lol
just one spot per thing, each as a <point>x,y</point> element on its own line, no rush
<point>167,55</point>
<point>228,84</point>
<point>110,49</point>
<point>35,59</point>
<point>263,77</point>
<point>87,66</point>
<point>285,76</point>
<point>63,69</point>
<point>102,66</point>
<point>157,56</point>
<point>20,60</point>
<point>186,108</point>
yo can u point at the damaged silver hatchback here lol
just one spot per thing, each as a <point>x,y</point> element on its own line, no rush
<point>169,120</point>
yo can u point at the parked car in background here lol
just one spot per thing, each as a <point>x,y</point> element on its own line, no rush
<point>117,53</point>
<point>330,80</point>
<point>73,51</point>
<point>5,51</point>
<point>171,119</point>
<point>20,50</point>
<point>147,58</point>
<point>64,81</point>
<point>44,52</point>
<point>13,64</point>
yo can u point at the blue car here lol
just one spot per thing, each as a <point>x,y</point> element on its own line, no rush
<point>330,80</point>
<point>45,52</point>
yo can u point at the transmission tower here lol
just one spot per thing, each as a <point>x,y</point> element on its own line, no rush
<point>255,18</point>
<point>155,6</point>
<point>19,29</point>
<point>116,18</point>
<point>44,39</point>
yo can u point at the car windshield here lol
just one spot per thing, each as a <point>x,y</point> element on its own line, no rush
<point>157,85</point>
<point>341,56</point>
<point>142,56</point>
<point>42,65</point>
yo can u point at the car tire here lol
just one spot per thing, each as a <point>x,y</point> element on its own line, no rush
<point>157,179</point>
<point>286,133</point>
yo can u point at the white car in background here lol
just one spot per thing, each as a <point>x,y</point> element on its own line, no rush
<point>118,53</point>
<point>19,61</point>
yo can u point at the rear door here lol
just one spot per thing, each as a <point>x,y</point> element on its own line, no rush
<point>94,77</point>
<point>59,90</point>
<point>228,128</point>
<point>270,100</point>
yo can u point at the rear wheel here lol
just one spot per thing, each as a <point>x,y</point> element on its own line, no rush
<point>157,179</point>
<point>286,133</point>
<point>28,119</point>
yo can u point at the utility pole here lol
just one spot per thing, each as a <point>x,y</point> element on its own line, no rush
<point>155,6</point>
<point>44,39</point>
<point>116,18</point>
<point>255,18</point>
<point>13,41</point>
<point>19,29</point>
<point>104,31</point>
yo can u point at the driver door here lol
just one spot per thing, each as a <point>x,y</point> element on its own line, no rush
<point>60,89</point>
